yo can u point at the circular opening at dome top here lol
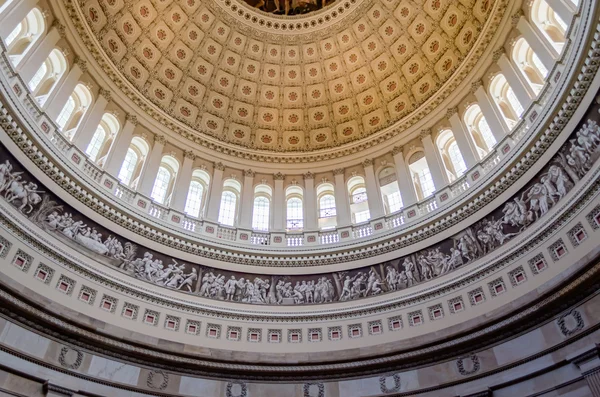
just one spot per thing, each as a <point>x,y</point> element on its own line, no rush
<point>289,7</point>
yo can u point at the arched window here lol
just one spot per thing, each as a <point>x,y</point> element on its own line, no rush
<point>96,143</point>
<point>134,160</point>
<point>261,210</point>
<point>359,205</point>
<point>21,40</point>
<point>529,65</point>
<point>73,111</point>
<point>229,202</point>
<point>47,76</point>
<point>422,180</point>
<point>480,130</point>
<point>451,155</point>
<point>326,203</point>
<point>294,208</point>
<point>549,23</point>
<point>165,178</point>
<point>390,190</point>
<point>196,192</point>
<point>505,99</point>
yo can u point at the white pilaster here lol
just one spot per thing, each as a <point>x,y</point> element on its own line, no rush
<point>279,215</point>
<point>373,193</point>
<point>119,147</point>
<point>216,189</point>
<point>56,102</point>
<point>30,64</point>
<point>407,189</point>
<point>88,126</point>
<point>12,14</point>
<point>496,122</point>
<point>310,202</point>
<point>342,204</point>
<point>563,8</point>
<point>517,82</point>
<point>151,166</point>
<point>538,43</point>
<point>463,138</point>
<point>182,184</point>
<point>436,168</point>
<point>247,207</point>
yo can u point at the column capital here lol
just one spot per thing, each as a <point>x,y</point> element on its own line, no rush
<point>188,154</point>
<point>497,54</point>
<point>451,111</point>
<point>62,32</point>
<point>160,139</point>
<point>425,133</point>
<point>338,171</point>
<point>105,93</point>
<point>249,173</point>
<point>367,163</point>
<point>279,176</point>
<point>475,85</point>
<point>131,118</point>
<point>81,63</point>
<point>397,149</point>
<point>514,18</point>
<point>308,175</point>
<point>219,166</point>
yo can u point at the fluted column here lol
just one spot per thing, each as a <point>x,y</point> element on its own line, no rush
<point>563,8</point>
<point>310,202</point>
<point>373,193</point>
<point>436,168</point>
<point>152,165</point>
<point>88,126</point>
<point>182,184</point>
<point>407,188</point>
<point>517,82</point>
<point>588,361</point>
<point>13,14</point>
<point>342,204</point>
<point>119,147</point>
<point>496,122</point>
<point>32,62</point>
<point>216,189</point>
<point>279,215</point>
<point>463,138</point>
<point>247,206</point>
<point>56,102</point>
<point>538,44</point>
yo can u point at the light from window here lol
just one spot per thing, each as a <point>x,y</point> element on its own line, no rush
<point>394,201</point>
<point>486,133</point>
<point>514,102</point>
<point>96,143</point>
<point>359,195</point>
<point>260,214</point>
<point>13,35</point>
<point>327,206</point>
<point>362,216</point>
<point>193,202</point>
<point>537,62</point>
<point>227,208</point>
<point>457,159</point>
<point>66,113</point>
<point>560,22</point>
<point>37,77</point>
<point>161,185</point>
<point>128,167</point>
<point>427,186</point>
<point>295,218</point>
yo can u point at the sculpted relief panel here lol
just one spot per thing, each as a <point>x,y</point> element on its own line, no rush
<point>19,189</point>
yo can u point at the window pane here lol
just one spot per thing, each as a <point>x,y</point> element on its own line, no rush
<point>362,216</point>
<point>359,195</point>
<point>193,203</point>
<point>514,102</point>
<point>426,182</point>
<point>161,185</point>
<point>96,144</point>
<point>227,209</point>
<point>294,213</point>
<point>37,77</point>
<point>394,201</point>
<point>486,132</point>
<point>537,62</point>
<point>66,113</point>
<point>128,167</point>
<point>13,35</point>
<point>327,206</point>
<point>260,214</point>
<point>457,159</point>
